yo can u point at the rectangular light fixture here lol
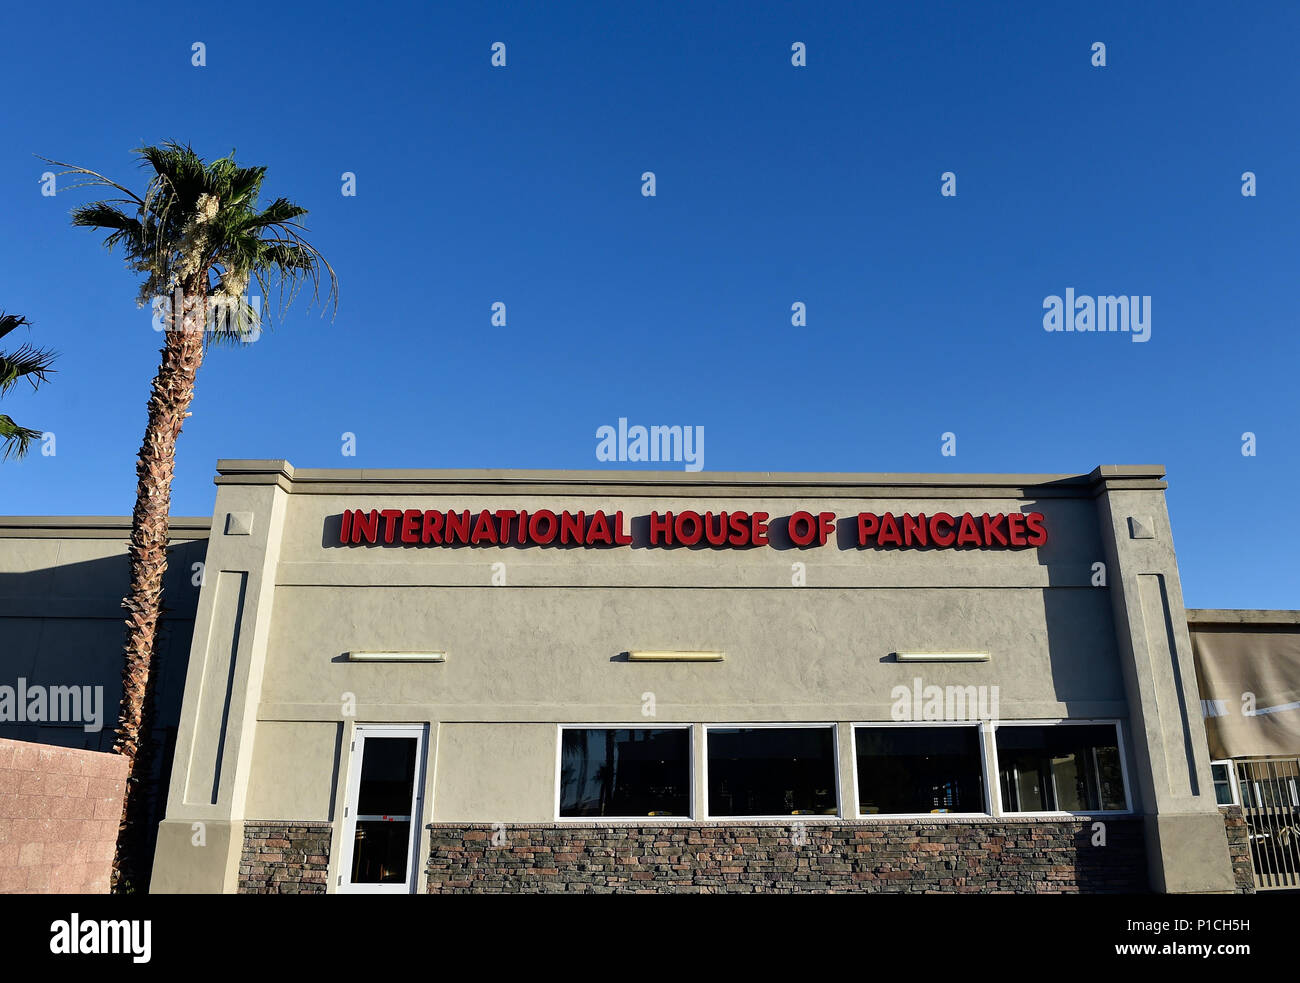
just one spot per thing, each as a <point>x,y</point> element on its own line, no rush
<point>397,656</point>
<point>674,657</point>
<point>941,656</point>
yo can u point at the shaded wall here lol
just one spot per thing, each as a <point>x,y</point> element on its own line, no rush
<point>62,580</point>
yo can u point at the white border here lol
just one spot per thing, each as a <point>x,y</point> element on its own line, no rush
<point>984,770</point>
<point>1076,721</point>
<point>1232,782</point>
<point>832,726</point>
<point>355,755</point>
<point>642,725</point>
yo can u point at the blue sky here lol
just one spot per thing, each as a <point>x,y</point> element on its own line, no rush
<point>775,184</point>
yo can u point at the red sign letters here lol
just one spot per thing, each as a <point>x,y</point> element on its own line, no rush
<point>735,530</point>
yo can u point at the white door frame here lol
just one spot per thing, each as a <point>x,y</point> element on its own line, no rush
<point>355,757</point>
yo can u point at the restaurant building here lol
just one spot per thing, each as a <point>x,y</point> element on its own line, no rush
<point>440,681</point>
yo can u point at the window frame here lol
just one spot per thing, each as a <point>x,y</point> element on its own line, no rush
<point>1121,749</point>
<point>832,726</point>
<point>984,770</point>
<point>355,757</point>
<point>1232,782</point>
<point>632,820</point>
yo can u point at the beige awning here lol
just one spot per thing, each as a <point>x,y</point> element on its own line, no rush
<point>1248,660</point>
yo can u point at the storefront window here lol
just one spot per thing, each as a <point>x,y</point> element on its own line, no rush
<point>625,773</point>
<point>772,771</point>
<point>1060,768</point>
<point>919,770</point>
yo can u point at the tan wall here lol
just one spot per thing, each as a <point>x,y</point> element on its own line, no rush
<point>59,816</point>
<point>554,655</point>
<point>62,581</point>
<point>295,763</point>
<point>550,646</point>
<point>272,698</point>
<point>495,772</point>
<point>557,653</point>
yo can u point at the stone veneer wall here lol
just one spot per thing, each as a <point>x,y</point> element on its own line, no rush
<point>1239,848</point>
<point>1038,856</point>
<point>60,809</point>
<point>898,856</point>
<point>285,857</point>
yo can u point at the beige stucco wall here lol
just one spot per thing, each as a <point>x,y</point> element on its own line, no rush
<point>271,698</point>
<point>555,653</point>
<point>550,645</point>
<point>495,772</point>
<point>295,763</point>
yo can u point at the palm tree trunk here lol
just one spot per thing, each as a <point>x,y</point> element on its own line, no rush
<point>169,402</point>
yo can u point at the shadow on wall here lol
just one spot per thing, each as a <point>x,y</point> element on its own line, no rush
<point>1082,647</point>
<point>1082,642</point>
<point>63,626</point>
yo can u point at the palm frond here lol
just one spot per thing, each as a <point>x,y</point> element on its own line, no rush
<point>104,215</point>
<point>16,440</point>
<point>245,186</point>
<point>95,177</point>
<point>279,212</point>
<point>32,364</point>
<point>28,362</point>
<point>10,321</point>
<point>234,320</point>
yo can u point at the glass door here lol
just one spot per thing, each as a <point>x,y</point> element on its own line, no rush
<point>381,829</point>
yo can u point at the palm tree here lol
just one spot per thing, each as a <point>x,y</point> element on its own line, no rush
<point>199,237</point>
<point>32,364</point>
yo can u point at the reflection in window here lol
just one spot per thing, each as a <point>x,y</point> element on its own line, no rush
<point>1222,771</point>
<point>771,771</point>
<point>382,846</point>
<point>919,769</point>
<point>1061,768</point>
<point>625,773</point>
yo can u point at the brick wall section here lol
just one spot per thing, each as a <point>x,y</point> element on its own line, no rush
<point>285,857</point>
<point>59,814</point>
<point>902,856</point>
<point>1239,848</point>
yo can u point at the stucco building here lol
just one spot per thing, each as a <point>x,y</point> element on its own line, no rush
<point>411,681</point>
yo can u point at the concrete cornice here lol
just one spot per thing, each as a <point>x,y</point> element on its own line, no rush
<point>328,481</point>
<point>255,472</point>
<point>94,527</point>
<point>1241,616</point>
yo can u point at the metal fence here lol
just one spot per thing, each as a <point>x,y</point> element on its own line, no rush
<point>1270,800</point>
